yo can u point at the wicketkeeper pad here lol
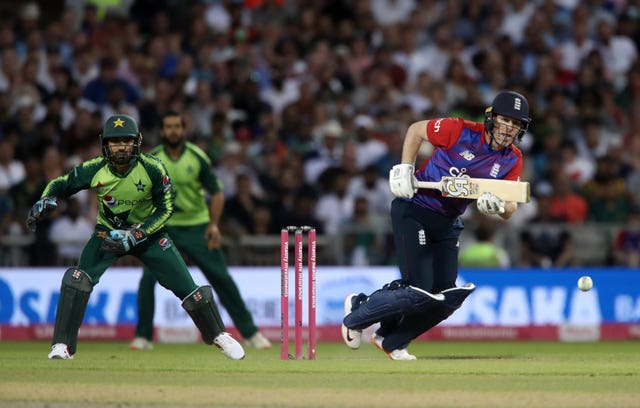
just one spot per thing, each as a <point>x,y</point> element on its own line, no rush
<point>74,296</point>
<point>203,311</point>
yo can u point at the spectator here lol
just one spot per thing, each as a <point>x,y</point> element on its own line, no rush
<point>12,171</point>
<point>546,242</point>
<point>607,195</point>
<point>363,236</point>
<point>335,206</point>
<point>240,208</point>
<point>69,232</point>
<point>566,205</point>
<point>374,189</point>
<point>369,150</point>
<point>328,154</point>
<point>97,90</point>
<point>484,253</point>
<point>626,248</point>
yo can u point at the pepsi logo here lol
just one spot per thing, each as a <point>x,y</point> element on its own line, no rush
<point>111,201</point>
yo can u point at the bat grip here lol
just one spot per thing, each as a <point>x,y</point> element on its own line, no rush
<point>429,184</point>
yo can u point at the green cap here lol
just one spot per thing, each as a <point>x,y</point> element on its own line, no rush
<point>119,126</point>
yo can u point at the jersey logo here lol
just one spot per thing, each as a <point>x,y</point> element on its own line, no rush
<point>467,155</point>
<point>456,172</point>
<point>140,186</point>
<point>422,237</point>
<point>436,126</point>
<point>166,182</point>
<point>164,243</point>
<point>495,170</point>
<point>110,200</point>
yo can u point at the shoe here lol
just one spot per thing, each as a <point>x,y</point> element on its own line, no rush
<point>258,341</point>
<point>352,338</point>
<point>398,354</point>
<point>140,343</point>
<point>229,346</point>
<point>60,351</point>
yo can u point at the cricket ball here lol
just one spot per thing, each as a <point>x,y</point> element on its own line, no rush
<point>585,283</point>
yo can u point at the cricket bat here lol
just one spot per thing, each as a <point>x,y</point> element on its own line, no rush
<point>471,188</point>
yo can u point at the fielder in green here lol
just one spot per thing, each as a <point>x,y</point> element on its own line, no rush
<point>194,230</point>
<point>135,200</point>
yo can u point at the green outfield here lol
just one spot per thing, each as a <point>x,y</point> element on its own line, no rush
<point>447,374</point>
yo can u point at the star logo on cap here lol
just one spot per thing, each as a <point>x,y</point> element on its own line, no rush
<point>118,123</point>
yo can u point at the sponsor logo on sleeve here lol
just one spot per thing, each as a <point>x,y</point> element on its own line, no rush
<point>166,182</point>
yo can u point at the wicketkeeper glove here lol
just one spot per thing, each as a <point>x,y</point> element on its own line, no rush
<point>120,242</point>
<point>401,180</point>
<point>490,204</point>
<point>40,209</point>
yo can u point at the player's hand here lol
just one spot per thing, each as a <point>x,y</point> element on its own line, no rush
<point>212,236</point>
<point>40,209</point>
<point>401,180</point>
<point>120,242</point>
<point>490,204</point>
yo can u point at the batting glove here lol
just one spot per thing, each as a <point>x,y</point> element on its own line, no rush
<point>40,209</point>
<point>401,180</point>
<point>120,242</point>
<point>490,204</point>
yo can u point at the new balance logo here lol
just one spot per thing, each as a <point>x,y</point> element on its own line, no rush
<point>467,155</point>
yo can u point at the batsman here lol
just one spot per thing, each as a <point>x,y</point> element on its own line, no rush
<point>426,225</point>
<point>135,199</point>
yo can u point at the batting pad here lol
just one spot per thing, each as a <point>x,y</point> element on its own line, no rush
<point>391,301</point>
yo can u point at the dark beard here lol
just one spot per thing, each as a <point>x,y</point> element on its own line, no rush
<point>172,145</point>
<point>120,158</point>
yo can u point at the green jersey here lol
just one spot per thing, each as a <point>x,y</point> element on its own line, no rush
<point>191,174</point>
<point>141,196</point>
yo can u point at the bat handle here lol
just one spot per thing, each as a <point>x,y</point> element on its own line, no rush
<point>436,185</point>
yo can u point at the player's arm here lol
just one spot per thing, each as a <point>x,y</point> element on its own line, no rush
<point>162,194</point>
<point>78,178</point>
<point>212,233</point>
<point>415,135</point>
<point>401,176</point>
<point>210,182</point>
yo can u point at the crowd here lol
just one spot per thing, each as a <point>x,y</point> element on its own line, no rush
<point>302,106</point>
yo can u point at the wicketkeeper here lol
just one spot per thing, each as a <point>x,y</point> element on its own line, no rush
<point>135,199</point>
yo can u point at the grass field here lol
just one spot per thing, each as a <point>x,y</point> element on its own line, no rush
<point>446,374</point>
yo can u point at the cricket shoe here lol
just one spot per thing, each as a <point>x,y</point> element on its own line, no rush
<point>258,341</point>
<point>140,343</point>
<point>397,354</point>
<point>229,346</point>
<point>352,338</point>
<point>60,351</point>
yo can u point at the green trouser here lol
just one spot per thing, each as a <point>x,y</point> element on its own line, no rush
<point>190,240</point>
<point>158,253</point>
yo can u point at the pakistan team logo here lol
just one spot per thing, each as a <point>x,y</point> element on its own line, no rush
<point>140,186</point>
